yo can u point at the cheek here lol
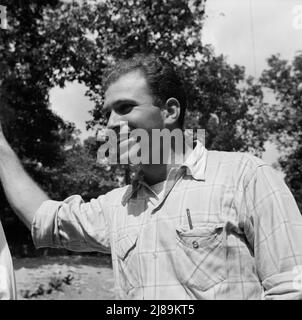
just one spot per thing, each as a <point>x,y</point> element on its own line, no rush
<point>155,121</point>
<point>147,119</point>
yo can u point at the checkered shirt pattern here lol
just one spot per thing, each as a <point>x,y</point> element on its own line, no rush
<point>226,227</point>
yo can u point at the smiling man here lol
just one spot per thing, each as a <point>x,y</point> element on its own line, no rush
<point>220,225</point>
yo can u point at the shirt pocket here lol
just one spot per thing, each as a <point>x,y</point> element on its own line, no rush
<point>201,255</point>
<point>127,260</point>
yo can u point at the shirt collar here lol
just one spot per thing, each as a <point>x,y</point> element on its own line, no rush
<point>194,165</point>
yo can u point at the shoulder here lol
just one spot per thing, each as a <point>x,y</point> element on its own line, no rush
<point>238,159</point>
<point>115,197</point>
<point>241,166</point>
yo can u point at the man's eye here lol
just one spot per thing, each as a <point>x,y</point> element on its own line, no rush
<point>125,108</point>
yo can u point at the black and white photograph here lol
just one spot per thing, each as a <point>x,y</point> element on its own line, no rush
<point>150,150</point>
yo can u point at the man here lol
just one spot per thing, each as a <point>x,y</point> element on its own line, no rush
<point>7,279</point>
<point>220,225</point>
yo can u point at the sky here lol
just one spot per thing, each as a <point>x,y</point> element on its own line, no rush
<point>249,31</point>
<point>246,31</point>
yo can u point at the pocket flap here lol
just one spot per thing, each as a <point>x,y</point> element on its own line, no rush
<point>200,231</point>
<point>125,244</point>
<point>204,236</point>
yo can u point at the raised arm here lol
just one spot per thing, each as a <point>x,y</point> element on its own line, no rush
<point>23,194</point>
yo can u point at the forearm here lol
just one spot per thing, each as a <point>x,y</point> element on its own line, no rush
<point>23,194</point>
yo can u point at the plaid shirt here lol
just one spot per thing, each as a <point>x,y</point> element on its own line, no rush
<point>243,240</point>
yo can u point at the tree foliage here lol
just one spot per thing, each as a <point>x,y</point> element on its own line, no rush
<point>100,32</point>
<point>284,116</point>
<point>30,126</point>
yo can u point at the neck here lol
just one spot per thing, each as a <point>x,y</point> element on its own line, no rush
<point>155,173</point>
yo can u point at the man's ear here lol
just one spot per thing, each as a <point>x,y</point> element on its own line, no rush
<point>171,111</point>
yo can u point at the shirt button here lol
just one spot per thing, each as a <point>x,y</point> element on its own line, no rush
<point>195,244</point>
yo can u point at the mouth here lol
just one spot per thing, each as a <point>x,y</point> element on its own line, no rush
<point>123,135</point>
<point>131,140</point>
<point>122,138</point>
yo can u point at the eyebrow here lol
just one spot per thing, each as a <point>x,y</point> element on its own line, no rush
<point>117,103</point>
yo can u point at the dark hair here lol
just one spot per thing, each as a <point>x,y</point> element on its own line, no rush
<point>163,80</point>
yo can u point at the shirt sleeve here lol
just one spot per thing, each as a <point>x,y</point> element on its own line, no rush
<point>72,224</point>
<point>276,232</point>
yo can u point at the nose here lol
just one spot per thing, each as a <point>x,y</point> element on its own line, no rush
<point>114,120</point>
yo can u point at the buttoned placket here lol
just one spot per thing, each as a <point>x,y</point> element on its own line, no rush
<point>154,205</point>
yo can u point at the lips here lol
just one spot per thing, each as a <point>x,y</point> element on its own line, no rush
<point>124,134</point>
<point>119,134</point>
<point>122,138</point>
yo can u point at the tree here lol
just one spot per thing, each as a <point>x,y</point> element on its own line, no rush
<point>99,33</point>
<point>30,126</point>
<point>284,116</point>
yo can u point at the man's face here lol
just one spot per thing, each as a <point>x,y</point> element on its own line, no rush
<point>129,99</point>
